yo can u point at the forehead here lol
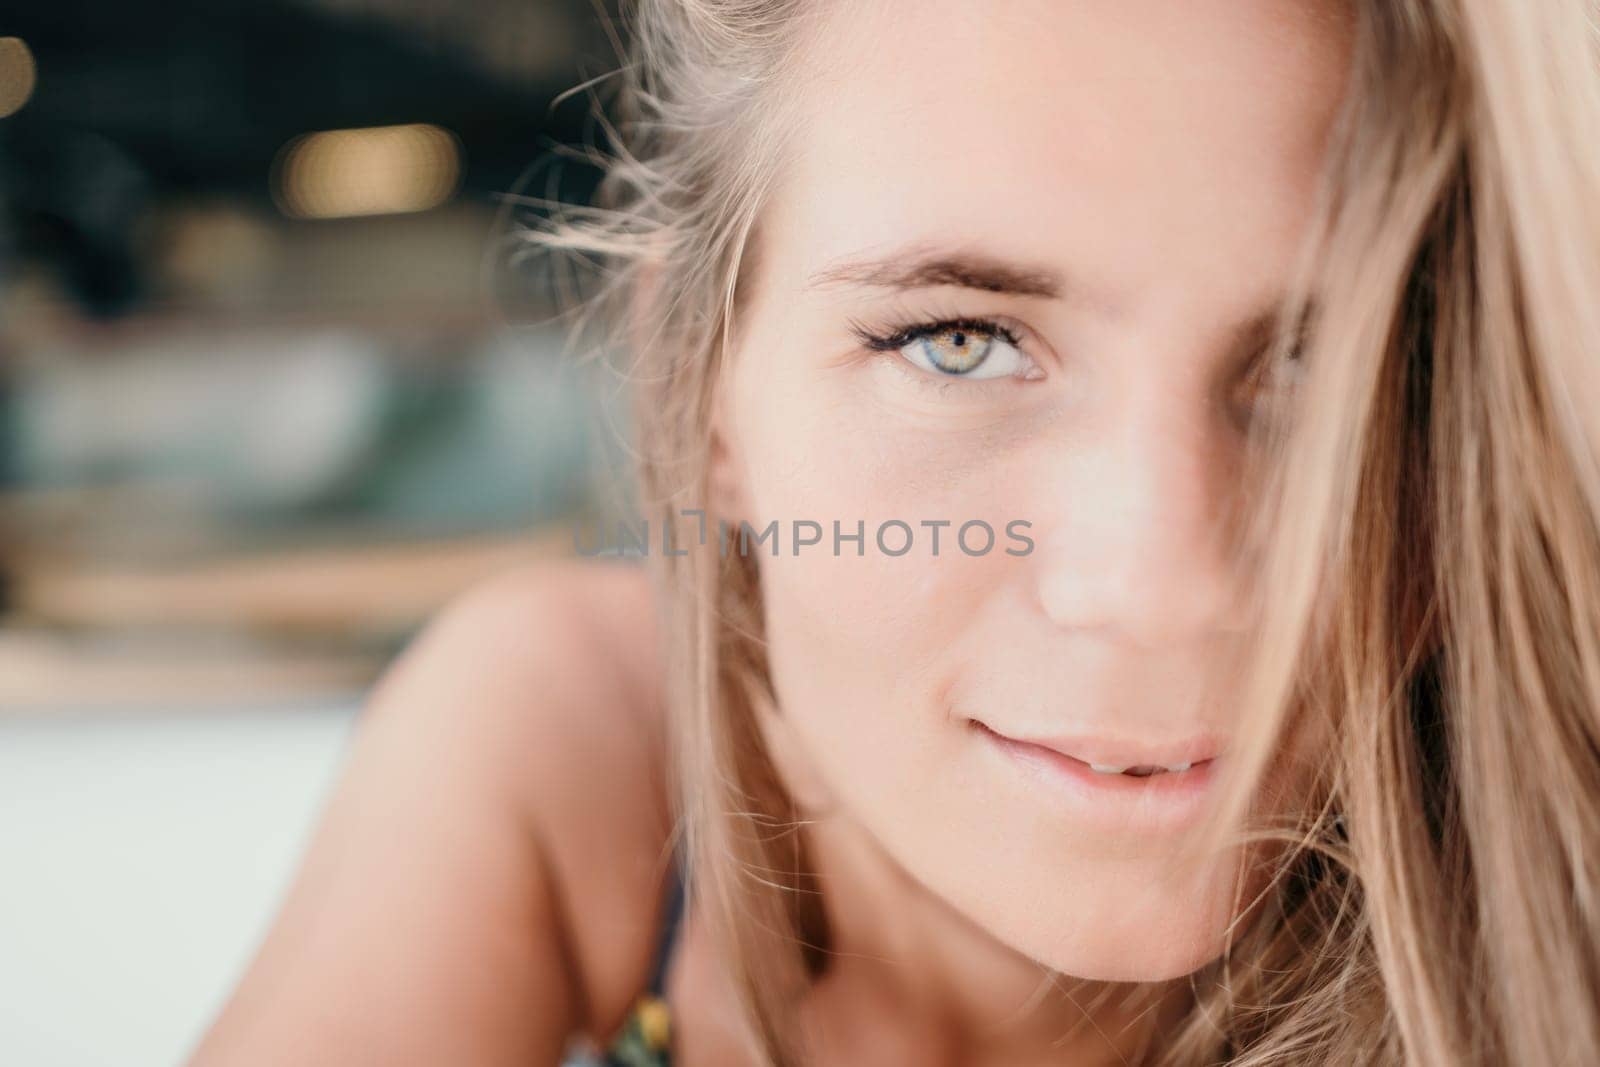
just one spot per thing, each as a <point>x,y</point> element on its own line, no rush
<point>1143,142</point>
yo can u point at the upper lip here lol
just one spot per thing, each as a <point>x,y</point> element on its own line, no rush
<point>1104,751</point>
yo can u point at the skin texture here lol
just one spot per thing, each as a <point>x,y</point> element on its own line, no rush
<point>502,805</point>
<point>496,841</point>
<point>1161,160</point>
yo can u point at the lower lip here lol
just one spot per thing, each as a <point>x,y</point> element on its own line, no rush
<point>1156,803</point>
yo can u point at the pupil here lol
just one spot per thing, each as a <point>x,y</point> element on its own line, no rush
<point>958,338</point>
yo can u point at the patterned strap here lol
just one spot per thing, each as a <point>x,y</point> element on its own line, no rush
<point>671,921</point>
<point>646,1038</point>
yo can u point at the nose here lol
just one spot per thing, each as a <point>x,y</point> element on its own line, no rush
<point>1141,549</point>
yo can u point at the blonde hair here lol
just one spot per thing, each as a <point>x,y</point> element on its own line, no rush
<point>1428,532</point>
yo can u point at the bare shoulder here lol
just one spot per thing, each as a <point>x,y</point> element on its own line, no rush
<point>565,604</point>
<point>562,661</point>
<point>569,717</point>
<point>486,877</point>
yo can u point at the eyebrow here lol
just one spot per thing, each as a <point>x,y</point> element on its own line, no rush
<point>923,268</point>
<point>926,269</point>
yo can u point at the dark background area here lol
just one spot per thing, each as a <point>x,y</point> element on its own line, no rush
<point>275,382</point>
<point>141,103</point>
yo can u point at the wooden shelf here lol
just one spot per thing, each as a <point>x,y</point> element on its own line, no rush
<point>273,626</point>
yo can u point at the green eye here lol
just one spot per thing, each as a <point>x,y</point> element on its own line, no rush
<point>961,350</point>
<point>956,350</point>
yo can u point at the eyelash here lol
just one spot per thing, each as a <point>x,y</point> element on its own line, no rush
<point>892,337</point>
<point>895,336</point>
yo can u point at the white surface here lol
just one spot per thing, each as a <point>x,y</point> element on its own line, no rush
<point>140,861</point>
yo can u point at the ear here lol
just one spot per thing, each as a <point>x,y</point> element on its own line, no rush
<point>641,304</point>
<point>724,479</point>
<point>725,471</point>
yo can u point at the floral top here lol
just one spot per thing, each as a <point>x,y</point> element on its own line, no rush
<point>645,1039</point>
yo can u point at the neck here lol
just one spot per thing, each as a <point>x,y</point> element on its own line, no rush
<point>899,953</point>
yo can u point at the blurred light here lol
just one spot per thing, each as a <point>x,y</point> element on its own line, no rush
<point>217,251</point>
<point>17,75</point>
<point>383,170</point>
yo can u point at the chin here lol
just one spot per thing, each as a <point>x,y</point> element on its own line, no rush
<point>1132,958</point>
<point>1108,923</point>
<point>1147,932</point>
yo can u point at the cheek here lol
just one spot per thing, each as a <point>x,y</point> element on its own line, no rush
<point>877,609</point>
<point>863,639</point>
<point>867,626</point>
<point>867,648</point>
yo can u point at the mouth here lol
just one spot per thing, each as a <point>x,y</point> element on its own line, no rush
<point>1143,770</point>
<point>1154,785</point>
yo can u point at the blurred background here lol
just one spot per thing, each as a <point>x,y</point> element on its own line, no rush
<point>277,379</point>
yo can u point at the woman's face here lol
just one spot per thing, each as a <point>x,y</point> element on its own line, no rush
<point>1105,198</point>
